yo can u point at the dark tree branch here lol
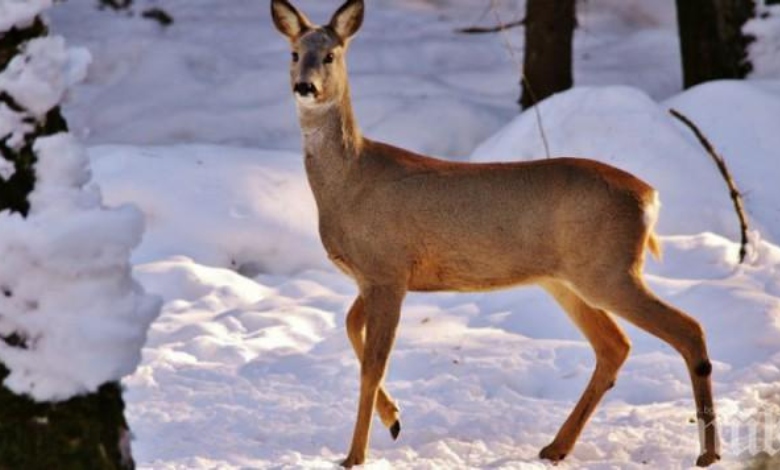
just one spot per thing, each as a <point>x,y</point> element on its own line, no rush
<point>726,174</point>
<point>159,15</point>
<point>490,29</point>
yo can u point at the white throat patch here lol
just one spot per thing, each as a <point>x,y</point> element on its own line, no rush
<point>307,101</point>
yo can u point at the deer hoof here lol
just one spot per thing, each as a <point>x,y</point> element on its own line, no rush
<point>395,430</point>
<point>706,459</point>
<point>553,453</point>
<point>351,461</point>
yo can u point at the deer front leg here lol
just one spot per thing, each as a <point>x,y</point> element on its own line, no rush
<point>385,406</point>
<point>383,310</point>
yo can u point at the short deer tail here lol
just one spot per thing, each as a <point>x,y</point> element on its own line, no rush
<point>654,246</point>
<point>651,208</point>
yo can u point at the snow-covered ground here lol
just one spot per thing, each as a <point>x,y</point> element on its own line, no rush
<point>249,366</point>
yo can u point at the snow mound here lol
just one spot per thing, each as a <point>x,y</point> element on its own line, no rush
<point>247,210</point>
<point>623,127</point>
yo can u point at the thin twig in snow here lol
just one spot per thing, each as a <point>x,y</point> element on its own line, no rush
<point>724,171</point>
<point>490,29</point>
<point>523,78</point>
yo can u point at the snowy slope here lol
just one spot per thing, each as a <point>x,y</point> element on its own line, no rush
<point>249,366</point>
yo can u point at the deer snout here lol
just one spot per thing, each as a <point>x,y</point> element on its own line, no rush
<point>305,89</point>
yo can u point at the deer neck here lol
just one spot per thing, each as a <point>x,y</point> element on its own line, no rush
<point>332,142</point>
<point>330,130</point>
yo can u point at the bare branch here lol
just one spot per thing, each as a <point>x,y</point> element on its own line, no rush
<point>724,171</point>
<point>490,29</point>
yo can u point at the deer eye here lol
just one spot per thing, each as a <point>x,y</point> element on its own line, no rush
<point>295,57</point>
<point>328,58</point>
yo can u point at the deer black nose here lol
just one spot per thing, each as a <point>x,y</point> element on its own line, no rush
<point>305,88</point>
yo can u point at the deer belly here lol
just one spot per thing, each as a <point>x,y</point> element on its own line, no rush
<point>466,275</point>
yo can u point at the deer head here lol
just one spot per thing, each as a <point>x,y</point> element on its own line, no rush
<point>318,70</point>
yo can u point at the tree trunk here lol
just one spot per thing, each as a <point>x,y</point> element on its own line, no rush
<point>712,44</point>
<point>85,432</point>
<point>549,28</point>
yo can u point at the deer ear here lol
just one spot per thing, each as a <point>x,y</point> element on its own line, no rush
<point>288,20</point>
<point>348,18</point>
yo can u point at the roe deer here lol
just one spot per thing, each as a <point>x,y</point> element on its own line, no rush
<point>395,222</point>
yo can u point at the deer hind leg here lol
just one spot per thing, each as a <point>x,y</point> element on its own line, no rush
<point>385,406</point>
<point>611,347</point>
<point>629,298</point>
<point>383,311</point>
